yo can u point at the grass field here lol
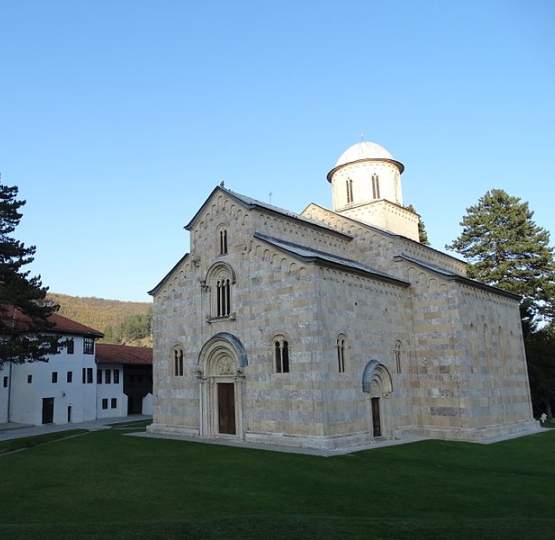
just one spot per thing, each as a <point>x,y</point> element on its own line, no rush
<point>107,485</point>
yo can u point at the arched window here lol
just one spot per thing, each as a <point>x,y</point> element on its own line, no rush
<point>281,354</point>
<point>219,281</point>
<point>223,241</point>
<point>376,186</point>
<point>341,345</point>
<point>223,297</point>
<point>397,355</point>
<point>178,362</point>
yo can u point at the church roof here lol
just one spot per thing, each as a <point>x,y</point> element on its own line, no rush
<point>445,274</point>
<point>363,150</point>
<point>308,254</point>
<point>250,203</point>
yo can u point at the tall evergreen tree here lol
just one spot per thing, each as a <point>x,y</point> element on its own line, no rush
<point>506,249</point>
<point>24,313</point>
<point>422,234</point>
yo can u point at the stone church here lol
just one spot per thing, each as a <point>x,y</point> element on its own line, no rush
<point>333,328</point>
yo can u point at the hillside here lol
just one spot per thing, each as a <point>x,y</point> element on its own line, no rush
<point>118,320</point>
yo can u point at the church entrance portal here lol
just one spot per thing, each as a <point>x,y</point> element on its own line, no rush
<point>376,383</point>
<point>221,375</point>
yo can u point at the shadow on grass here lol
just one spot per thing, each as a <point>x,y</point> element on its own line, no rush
<point>290,528</point>
<point>13,445</point>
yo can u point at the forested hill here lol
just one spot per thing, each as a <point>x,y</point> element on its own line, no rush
<point>125,323</point>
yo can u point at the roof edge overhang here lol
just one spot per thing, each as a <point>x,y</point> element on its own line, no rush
<point>319,258</point>
<point>461,279</point>
<point>398,164</point>
<point>155,289</point>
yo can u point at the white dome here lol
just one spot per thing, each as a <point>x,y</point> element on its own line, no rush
<point>363,150</point>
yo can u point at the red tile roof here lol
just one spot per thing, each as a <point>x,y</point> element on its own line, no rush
<point>63,325</point>
<point>122,354</point>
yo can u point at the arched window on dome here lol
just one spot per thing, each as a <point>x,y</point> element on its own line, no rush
<point>349,190</point>
<point>375,186</point>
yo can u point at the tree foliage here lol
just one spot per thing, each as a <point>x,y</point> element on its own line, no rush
<point>134,328</point>
<point>25,328</point>
<point>540,355</point>
<point>506,249</point>
<point>422,233</point>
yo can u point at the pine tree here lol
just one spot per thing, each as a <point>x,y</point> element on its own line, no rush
<point>24,313</point>
<point>506,249</point>
<point>422,234</point>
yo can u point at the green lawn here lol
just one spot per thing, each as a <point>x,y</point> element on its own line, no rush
<point>108,485</point>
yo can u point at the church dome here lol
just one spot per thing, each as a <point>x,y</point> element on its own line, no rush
<point>363,150</point>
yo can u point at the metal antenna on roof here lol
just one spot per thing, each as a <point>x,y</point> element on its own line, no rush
<point>361,135</point>
<point>270,195</point>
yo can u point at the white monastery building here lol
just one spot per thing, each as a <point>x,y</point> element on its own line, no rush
<point>81,382</point>
<point>333,328</point>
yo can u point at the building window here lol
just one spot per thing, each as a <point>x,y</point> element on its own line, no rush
<point>349,190</point>
<point>70,346</point>
<point>105,403</point>
<point>223,242</point>
<point>114,403</point>
<point>29,379</point>
<point>218,282</point>
<point>89,375</point>
<point>397,355</point>
<point>376,186</point>
<point>178,362</point>
<point>281,355</point>
<point>341,353</point>
<point>5,382</point>
<point>116,376</point>
<point>54,377</point>
<point>69,376</point>
<point>223,298</point>
<point>108,376</point>
<point>98,376</point>
<point>88,345</point>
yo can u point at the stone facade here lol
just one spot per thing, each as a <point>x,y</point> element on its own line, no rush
<point>324,331</point>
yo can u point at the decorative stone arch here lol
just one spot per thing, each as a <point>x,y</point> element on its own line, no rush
<point>220,371</point>
<point>219,280</point>
<point>377,384</point>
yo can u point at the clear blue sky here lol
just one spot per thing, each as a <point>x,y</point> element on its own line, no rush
<point>119,117</point>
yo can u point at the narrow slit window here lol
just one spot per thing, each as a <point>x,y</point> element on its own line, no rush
<point>223,242</point>
<point>349,190</point>
<point>341,354</point>
<point>178,362</point>
<point>376,186</point>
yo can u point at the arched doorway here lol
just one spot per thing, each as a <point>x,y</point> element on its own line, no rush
<point>376,382</point>
<point>221,373</point>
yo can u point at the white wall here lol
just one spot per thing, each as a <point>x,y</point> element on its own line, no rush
<point>110,399</point>
<point>74,401</point>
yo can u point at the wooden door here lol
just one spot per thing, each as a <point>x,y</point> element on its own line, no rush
<point>47,410</point>
<point>376,422</point>
<point>226,408</point>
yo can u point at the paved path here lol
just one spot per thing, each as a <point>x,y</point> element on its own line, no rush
<point>16,431</point>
